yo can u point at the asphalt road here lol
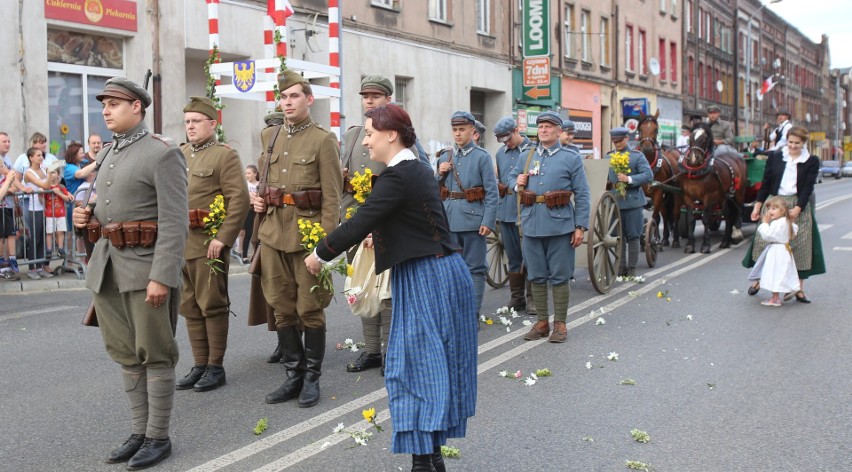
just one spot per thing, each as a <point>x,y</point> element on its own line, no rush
<point>721,383</point>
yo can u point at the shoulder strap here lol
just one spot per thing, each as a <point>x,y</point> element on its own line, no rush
<point>527,164</point>
<point>456,172</point>
<point>264,175</point>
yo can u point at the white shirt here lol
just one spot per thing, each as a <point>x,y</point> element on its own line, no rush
<point>22,163</point>
<point>404,155</point>
<point>780,141</point>
<point>788,180</point>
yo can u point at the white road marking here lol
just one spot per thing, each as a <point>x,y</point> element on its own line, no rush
<point>842,248</point>
<point>40,311</point>
<point>823,227</point>
<point>846,236</point>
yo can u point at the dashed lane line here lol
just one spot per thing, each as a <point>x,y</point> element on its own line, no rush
<point>41,311</point>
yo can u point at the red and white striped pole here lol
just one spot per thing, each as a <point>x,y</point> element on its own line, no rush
<point>269,48</point>
<point>279,18</point>
<point>334,61</point>
<point>213,28</point>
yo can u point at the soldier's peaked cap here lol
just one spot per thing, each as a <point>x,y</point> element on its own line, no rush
<point>124,89</point>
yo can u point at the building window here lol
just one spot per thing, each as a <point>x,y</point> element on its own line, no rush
<point>438,10</point>
<point>628,48</point>
<point>400,91</point>
<point>700,23</point>
<point>662,53</point>
<point>584,30</point>
<point>689,18</point>
<point>663,6</point>
<point>673,61</point>
<point>569,34</point>
<point>604,37</point>
<point>382,3</point>
<point>642,52</point>
<point>700,84</point>
<point>483,16</point>
<point>674,8</point>
<point>690,76</point>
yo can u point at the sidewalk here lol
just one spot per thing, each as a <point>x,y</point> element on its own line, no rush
<point>69,281</point>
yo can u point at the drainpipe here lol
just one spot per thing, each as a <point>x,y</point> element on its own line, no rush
<point>613,114</point>
<point>156,60</point>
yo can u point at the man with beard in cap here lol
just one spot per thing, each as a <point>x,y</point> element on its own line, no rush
<point>552,226</point>
<point>300,179</point>
<point>135,267</point>
<point>515,148</point>
<point>214,169</point>
<point>469,190</point>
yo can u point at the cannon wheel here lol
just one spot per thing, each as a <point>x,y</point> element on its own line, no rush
<point>652,241</point>
<point>604,243</point>
<point>498,263</point>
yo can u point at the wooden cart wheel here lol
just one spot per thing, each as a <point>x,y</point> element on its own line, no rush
<point>498,263</point>
<point>604,243</point>
<point>652,241</point>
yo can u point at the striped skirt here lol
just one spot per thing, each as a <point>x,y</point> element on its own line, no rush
<point>431,360</point>
<point>806,245</point>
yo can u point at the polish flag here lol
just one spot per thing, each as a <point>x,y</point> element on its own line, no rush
<point>279,7</point>
<point>765,88</point>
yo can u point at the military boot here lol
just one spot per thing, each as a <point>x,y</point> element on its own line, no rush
<point>213,378</point>
<point>314,355</point>
<point>438,460</point>
<point>191,378</point>
<point>516,288</point>
<point>421,463</point>
<point>561,295</point>
<point>293,359</point>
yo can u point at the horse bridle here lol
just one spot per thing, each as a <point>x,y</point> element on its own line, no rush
<point>648,138</point>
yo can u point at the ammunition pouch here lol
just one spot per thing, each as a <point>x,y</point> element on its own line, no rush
<point>557,198</point>
<point>503,190</point>
<point>445,192</point>
<point>196,218</point>
<point>526,197</point>
<point>129,234</point>
<point>474,194</point>
<point>93,230</point>
<point>308,199</point>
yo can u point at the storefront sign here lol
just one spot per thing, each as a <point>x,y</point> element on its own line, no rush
<point>817,135</point>
<point>536,28</point>
<point>634,107</point>
<point>583,124</point>
<point>119,14</point>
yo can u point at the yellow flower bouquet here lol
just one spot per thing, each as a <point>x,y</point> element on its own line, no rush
<point>362,184</point>
<point>212,223</point>
<point>620,164</point>
<point>312,233</point>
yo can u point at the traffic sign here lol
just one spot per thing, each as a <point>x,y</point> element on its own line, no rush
<point>536,28</point>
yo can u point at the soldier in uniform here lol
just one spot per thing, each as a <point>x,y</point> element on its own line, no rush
<point>135,266</point>
<point>469,189</point>
<point>478,131</point>
<point>515,148</point>
<point>630,206</point>
<point>723,133</point>
<point>566,138</point>
<point>552,226</point>
<point>214,169</point>
<point>300,179</point>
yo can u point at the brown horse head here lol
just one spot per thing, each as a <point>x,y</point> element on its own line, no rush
<point>700,146</point>
<point>648,130</point>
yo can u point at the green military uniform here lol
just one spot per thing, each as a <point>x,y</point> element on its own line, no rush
<point>303,157</point>
<point>142,177</point>
<point>214,169</point>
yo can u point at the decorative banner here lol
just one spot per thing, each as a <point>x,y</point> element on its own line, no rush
<point>244,75</point>
<point>119,14</point>
<point>82,49</point>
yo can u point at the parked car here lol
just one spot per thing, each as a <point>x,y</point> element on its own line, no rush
<point>847,170</point>
<point>830,168</point>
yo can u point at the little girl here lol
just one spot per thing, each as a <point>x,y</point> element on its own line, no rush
<point>775,268</point>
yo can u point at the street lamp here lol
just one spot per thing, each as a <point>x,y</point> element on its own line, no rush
<point>748,65</point>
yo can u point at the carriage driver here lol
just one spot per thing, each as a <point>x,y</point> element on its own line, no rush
<point>723,134</point>
<point>630,205</point>
<point>545,178</point>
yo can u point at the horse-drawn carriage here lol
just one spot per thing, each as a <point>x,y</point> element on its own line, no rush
<point>695,184</point>
<point>601,251</point>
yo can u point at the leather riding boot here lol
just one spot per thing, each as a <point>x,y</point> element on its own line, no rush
<point>531,311</point>
<point>290,341</point>
<point>421,463</point>
<point>213,378</point>
<point>314,354</point>
<point>516,288</point>
<point>190,379</point>
<point>161,392</point>
<point>276,355</point>
<point>151,453</point>
<point>438,460</point>
<point>478,291</point>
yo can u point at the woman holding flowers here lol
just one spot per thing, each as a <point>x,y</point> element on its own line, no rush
<point>431,360</point>
<point>628,172</point>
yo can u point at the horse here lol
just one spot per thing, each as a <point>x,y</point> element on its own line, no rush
<point>710,182</point>
<point>667,203</point>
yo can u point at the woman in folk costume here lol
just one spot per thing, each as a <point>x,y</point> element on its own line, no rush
<point>431,360</point>
<point>775,268</point>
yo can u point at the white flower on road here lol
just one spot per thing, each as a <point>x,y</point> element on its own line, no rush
<point>613,356</point>
<point>600,321</point>
<point>734,292</point>
<point>689,317</point>
<point>527,323</point>
<point>339,427</point>
<point>588,365</point>
<point>529,381</point>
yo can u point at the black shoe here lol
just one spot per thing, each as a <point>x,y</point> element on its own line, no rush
<point>754,288</point>
<point>438,460</point>
<point>124,452</point>
<point>276,355</point>
<point>191,378</point>
<point>365,361</point>
<point>422,463</point>
<point>151,453</point>
<point>213,378</point>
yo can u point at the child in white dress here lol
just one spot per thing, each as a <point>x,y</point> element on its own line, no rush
<point>775,268</point>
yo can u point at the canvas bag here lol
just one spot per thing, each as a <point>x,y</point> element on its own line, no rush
<point>367,288</point>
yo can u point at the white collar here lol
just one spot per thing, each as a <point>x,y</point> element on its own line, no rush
<point>804,156</point>
<point>404,155</point>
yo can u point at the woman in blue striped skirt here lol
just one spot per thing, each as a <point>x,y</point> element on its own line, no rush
<point>431,360</point>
